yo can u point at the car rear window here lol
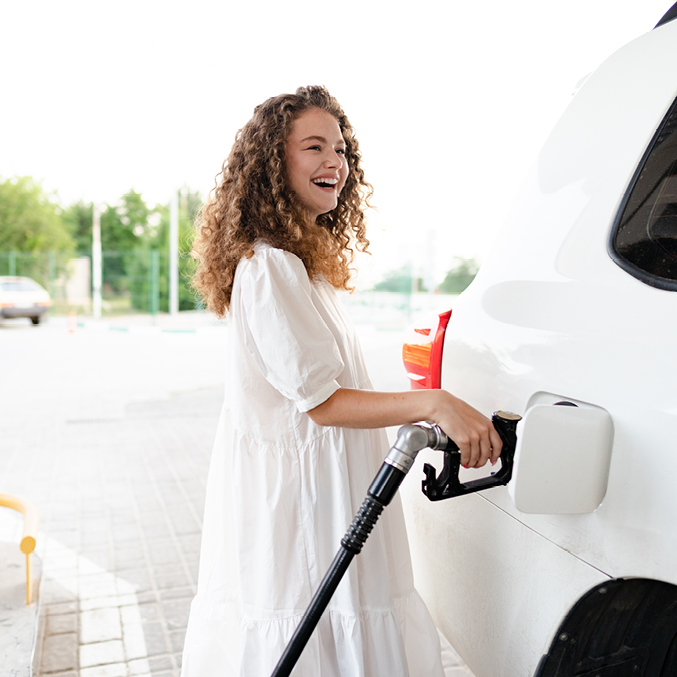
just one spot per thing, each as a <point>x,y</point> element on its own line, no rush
<point>19,285</point>
<point>644,238</point>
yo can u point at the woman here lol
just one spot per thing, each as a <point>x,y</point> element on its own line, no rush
<point>300,436</point>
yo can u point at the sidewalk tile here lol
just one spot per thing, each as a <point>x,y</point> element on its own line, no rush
<point>102,653</point>
<point>177,638</point>
<point>139,579</point>
<point>134,641</point>
<point>177,593</point>
<point>161,663</point>
<point>139,667</point>
<point>60,652</point>
<point>60,608</point>
<point>112,670</point>
<point>156,641</point>
<point>140,613</point>
<point>100,625</point>
<point>176,612</point>
<point>100,585</point>
<point>61,624</point>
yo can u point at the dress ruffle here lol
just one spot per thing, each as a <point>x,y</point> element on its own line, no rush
<point>371,644</point>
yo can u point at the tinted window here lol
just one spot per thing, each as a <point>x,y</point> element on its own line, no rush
<point>644,240</point>
<point>20,285</point>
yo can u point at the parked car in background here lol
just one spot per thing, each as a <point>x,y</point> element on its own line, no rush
<point>571,322</point>
<point>23,297</point>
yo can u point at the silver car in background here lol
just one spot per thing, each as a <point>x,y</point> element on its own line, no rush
<point>23,297</point>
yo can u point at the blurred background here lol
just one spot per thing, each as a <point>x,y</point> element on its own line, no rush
<point>128,105</point>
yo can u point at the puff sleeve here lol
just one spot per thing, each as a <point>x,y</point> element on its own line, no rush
<point>283,331</point>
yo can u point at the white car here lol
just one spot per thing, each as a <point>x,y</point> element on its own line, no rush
<point>23,297</point>
<point>572,568</point>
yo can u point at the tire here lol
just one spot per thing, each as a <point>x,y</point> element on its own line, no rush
<point>36,319</point>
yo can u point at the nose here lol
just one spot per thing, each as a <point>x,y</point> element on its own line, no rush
<point>334,159</point>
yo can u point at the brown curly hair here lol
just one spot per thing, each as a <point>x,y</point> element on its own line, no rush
<point>252,202</point>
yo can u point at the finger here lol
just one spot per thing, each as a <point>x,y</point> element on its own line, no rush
<point>496,445</point>
<point>475,452</point>
<point>485,450</point>
<point>464,448</point>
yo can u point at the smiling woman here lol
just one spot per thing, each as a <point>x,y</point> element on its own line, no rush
<point>266,192</point>
<point>301,432</point>
<point>316,161</point>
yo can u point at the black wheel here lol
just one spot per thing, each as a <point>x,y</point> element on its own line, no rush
<point>36,319</point>
<point>624,627</point>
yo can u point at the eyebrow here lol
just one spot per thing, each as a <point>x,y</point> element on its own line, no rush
<point>321,139</point>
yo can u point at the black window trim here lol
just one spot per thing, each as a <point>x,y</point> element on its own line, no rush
<point>668,16</point>
<point>652,280</point>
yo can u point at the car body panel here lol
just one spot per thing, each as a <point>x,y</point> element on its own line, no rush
<point>461,568</point>
<point>551,314</point>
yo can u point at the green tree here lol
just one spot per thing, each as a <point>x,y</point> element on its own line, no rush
<point>156,238</point>
<point>35,239</point>
<point>124,230</point>
<point>79,217</point>
<point>400,280</point>
<point>460,276</point>
<point>125,225</point>
<point>30,221</point>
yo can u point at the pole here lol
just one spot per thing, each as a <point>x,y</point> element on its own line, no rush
<point>97,269</point>
<point>155,282</point>
<point>51,273</point>
<point>174,254</point>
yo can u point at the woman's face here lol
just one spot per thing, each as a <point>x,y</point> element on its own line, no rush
<point>316,161</point>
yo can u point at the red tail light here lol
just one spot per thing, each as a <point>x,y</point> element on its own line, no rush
<point>422,354</point>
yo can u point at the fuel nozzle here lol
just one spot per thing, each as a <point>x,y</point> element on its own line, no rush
<point>448,485</point>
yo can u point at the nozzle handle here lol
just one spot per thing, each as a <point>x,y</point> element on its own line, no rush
<point>448,485</point>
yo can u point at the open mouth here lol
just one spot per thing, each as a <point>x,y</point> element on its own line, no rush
<point>327,184</point>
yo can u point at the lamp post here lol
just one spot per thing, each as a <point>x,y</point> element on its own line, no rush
<point>96,262</point>
<point>174,254</point>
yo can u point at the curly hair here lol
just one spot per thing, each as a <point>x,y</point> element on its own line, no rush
<point>252,202</point>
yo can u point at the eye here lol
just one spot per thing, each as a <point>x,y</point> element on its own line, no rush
<point>341,151</point>
<point>313,148</point>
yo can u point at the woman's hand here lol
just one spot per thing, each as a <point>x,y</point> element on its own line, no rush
<point>473,432</point>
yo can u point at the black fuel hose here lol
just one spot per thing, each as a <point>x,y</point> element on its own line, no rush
<point>410,440</point>
<point>381,492</point>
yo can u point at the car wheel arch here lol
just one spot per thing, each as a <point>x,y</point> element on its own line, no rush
<point>623,626</point>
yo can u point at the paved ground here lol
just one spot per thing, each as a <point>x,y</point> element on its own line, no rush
<point>108,429</point>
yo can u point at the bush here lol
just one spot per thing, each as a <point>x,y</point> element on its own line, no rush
<point>460,276</point>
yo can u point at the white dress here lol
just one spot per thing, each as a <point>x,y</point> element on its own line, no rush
<point>282,492</point>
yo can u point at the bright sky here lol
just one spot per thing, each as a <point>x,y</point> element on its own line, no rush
<point>450,100</point>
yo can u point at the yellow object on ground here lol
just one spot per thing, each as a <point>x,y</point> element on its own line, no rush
<point>28,538</point>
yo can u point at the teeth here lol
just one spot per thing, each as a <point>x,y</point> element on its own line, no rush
<point>331,182</point>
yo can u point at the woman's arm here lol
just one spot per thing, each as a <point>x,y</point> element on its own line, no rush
<point>474,433</point>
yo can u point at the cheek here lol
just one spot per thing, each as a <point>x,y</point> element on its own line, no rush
<point>344,175</point>
<point>295,180</point>
<point>295,170</point>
